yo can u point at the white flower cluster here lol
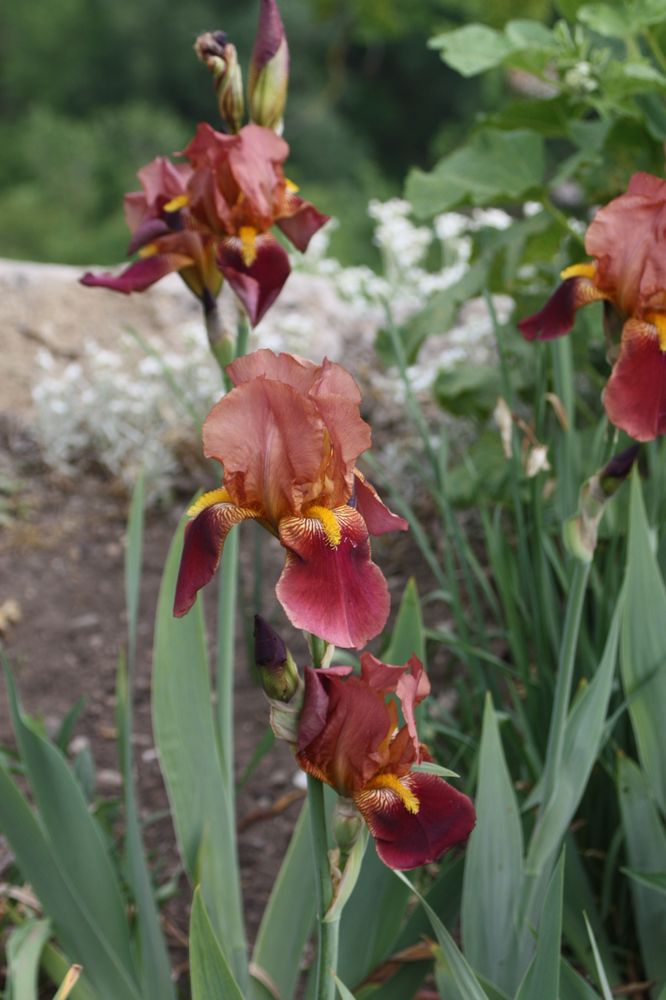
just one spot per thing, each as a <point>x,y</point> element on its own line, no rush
<point>122,414</point>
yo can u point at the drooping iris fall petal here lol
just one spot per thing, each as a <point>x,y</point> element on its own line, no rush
<point>204,539</point>
<point>405,839</point>
<point>332,590</point>
<point>138,276</point>
<point>257,285</point>
<point>635,396</point>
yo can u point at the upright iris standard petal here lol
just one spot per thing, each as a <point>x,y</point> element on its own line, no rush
<point>626,240</point>
<point>288,437</point>
<point>349,738</point>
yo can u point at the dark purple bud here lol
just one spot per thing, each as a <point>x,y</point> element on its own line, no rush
<point>279,676</point>
<point>269,69</point>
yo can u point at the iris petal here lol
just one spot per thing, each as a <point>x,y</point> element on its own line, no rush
<point>337,593</point>
<point>406,839</point>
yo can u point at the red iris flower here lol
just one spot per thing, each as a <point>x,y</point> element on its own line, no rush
<point>165,235</point>
<point>288,436</point>
<point>210,218</point>
<point>349,737</point>
<point>237,192</point>
<point>627,238</point>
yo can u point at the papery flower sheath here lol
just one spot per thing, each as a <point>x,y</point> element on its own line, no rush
<point>165,235</point>
<point>627,239</point>
<point>288,437</point>
<point>349,737</point>
<point>210,218</point>
<point>237,192</point>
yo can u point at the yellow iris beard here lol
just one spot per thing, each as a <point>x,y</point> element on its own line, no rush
<point>248,237</point>
<point>659,321</point>
<point>329,523</point>
<point>579,271</point>
<point>407,797</point>
<point>207,500</point>
<point>178,202</point>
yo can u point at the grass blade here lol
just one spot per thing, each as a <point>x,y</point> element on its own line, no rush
<point>24,948</point>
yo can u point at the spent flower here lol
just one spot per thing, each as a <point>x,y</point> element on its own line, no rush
<point>217,53</point>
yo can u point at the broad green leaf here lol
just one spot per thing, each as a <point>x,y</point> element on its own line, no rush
<point>40,865</point>
<point>494,166</point>
<point>461,972</point>
<point>493,866</point>
<point>472,49</point>
<point>467,389</point>
<point>371,920</point>
<point>646,850</point>
<point>186,738</point>
<point>524,33</point>
<point>155,967</point>
<point>24,948</point>
<point>542,980</point>
<point>643,646</point>
<point>288,918</point>
<point>584,733</point>
<point>407,638</point>
<point>612,22</point>
<point>444,897</point>
<point>154,959</point>
<point>75,838</point>
<point>210,975</point>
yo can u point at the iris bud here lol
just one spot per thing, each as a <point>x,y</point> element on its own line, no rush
<point>269,69</point>
<point>219,55</point>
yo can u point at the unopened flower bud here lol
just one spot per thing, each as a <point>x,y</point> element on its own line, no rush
<point>279,675</point>
<point>347,825</point>
<point>580,531</point>
<point>219,55</point>
<point>269,69</point>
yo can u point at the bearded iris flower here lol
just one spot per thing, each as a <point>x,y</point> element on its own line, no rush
<point>237,192</point>
<point>288,437</point>
<point>209,219</point>
<point>165,236</point>
<point>349,737</point>
<point>627,239</point>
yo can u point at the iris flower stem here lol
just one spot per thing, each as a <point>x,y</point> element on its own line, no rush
<point>564,680</point>
<point>328,932</point>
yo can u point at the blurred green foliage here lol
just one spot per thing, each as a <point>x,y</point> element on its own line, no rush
<point>92,91</point>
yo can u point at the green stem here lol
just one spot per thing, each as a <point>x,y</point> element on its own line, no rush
<point>328,932</point>
<point>219,339</point>
<point>564,680</point>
